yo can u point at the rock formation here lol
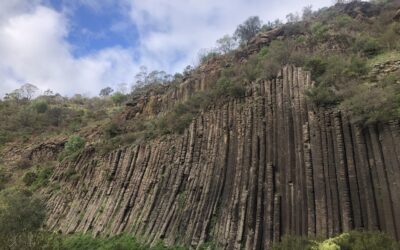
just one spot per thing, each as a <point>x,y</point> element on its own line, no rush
<point>241,176</point>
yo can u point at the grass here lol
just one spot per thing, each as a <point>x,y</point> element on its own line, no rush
<point>384,57</point>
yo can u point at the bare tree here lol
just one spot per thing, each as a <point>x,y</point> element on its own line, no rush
<point>28,90</point>
<point>226,44</point>
<point>307,13</point>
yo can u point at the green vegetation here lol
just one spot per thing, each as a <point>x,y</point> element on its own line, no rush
<point>24,119</point>
<point>73,147</point>
<point>354,240</point>
<point>122,242</point>
<point>22,216</point>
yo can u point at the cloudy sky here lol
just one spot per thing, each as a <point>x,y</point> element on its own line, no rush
<point>81,46</point>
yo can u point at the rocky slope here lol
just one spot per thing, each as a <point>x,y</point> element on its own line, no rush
<point>242,176</point>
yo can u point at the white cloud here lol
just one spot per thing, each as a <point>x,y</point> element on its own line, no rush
<point>186,26</point>
<point>34,47</point>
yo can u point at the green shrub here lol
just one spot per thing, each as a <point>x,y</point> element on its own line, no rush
<point>29,178</point>
<point>322,95</point>
<point>43,176</point>
<point>4,178</point>
<point>367,46</point>
<point>290,242</point>
<point>121,242</point>
<point>112,130</point>
<point>319,31</point>
<point>316,65</point>
<point>118,98</point>
<point>226,87</point>
<point>372,103</point>
<point>40,106</point>
<point>354,240</point>
<point>73,147</point>
<point>358,240</point>
<point>20,212</point>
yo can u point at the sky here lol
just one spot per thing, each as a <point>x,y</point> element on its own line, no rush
<point>82,46</point>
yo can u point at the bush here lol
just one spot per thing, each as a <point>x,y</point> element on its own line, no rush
<point>40,106</point>
<point>43,175</point>
<point>322,95</point>
<point>319,31</point>
<point>118,98</point>
<point>20,212</point>
<point>363,240</point>
<point>121,242</point>
<point>29,178</point>
<point>354,240</point>
<point>372,103</point>
<point>290,242</point>
<point>225,87</point>
<point>4,178</point>
<point>112,130</point>
<point>367,46</point>
<point>316,65</point>
<point>73,147</point>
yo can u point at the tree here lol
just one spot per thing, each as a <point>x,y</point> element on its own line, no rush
<point>28,90</point>
<point>249,29</point>
<point>106,91</point>
<point>20,212</point>
<point>206,54</point>
<point>122,88</point>
<point>48,92</point>
<point>307,13</point>
<point>226,44</point>
<point>292,18</point>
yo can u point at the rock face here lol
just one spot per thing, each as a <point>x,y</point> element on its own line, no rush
<point>242,176</point>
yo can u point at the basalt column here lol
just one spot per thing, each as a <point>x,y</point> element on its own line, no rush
<point>243,175</point>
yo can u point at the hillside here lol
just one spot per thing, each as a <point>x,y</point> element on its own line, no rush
<point>296,132</point>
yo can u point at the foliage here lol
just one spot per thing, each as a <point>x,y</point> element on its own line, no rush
<point>226,44</point>
<point>40,106</point>
<point>73,147</point>
<point>20,212</point>
<point>246,31</point>
<point>4,177</point>
<point>106,91</point>
<point>29,178</point>
<point>118,98</point>
<point>290,242</point>
<point>112,130</point>
<point>371,103</point>
<point>43,174</point>
<point>205,55</point>
<point>122,242</point>
<point>354,240</point>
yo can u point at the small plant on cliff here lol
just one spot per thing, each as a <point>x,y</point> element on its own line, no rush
<point>73,147</point>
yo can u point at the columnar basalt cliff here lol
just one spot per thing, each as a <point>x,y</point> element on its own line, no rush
<point>242,176</point>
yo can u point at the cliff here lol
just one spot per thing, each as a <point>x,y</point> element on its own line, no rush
<point>242,175</point>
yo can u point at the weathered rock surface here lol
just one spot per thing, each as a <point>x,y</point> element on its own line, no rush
<point>243,175</point>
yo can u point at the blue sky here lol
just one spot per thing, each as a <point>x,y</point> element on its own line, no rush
<point>81,46</point>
